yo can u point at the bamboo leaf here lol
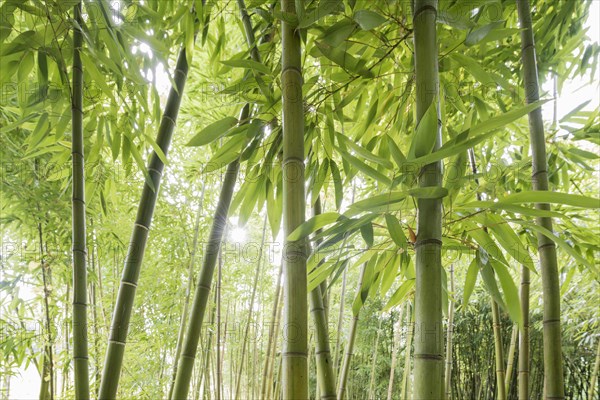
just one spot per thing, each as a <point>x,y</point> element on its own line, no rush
<point>324,8</point>
<point>248,64</point>
<point>213,131</point>
<point>470,280</point>
<point>545,196</point>
<point>367,170</point>
<point>396,231</point>
<point>368,19</point>
<point>379,200</point>
<point>511,294</point>
<point>400,294</point>
<point>313,224</point>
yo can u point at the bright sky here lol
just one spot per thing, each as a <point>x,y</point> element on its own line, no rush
<point>575,92</point>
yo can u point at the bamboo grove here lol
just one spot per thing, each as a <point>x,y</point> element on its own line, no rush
<point>294,199</point>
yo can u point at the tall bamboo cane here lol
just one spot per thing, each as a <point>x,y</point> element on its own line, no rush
<point>406,388</point>
<point>449,332</point>
<point>188,291</point>
<point>343,380</point>
<point>271,338</point>
<point>395,354</point>
<point>325,374</point>
<point>137,245</point>
<point>80,306</point>
<point>371,392</point>
<point>499,350</point>
<point>428,290</point>
<point>594,376</point>
<point>295,344</point>
<point>250,309</point>
<point>511,358</point>
<point>524,336</point>
<point>553,361</point>
<point>194,326</point>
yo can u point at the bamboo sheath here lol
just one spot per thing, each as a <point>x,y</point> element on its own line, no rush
<point>553,361</point>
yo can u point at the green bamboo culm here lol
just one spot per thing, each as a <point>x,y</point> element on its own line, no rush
<point>194,326</point>
<point>523,372</point>
<point>133,260</point>
<point>325,374</point>
<point>345,369</point>
<point>553,361</point>
<point>428,343</point>
<point>294,376</point>
<point>499,352</point>
<point>80,342</point>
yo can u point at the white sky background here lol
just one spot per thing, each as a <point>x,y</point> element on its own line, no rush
<point>575,92</point>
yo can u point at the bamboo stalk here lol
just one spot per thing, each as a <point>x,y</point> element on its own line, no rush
<point>249,320</point>
<point>325,374</point>
<point>47,386</point>
<point>194,326</point>
<point>295,345</point>
<point>374,361</point>
<point>133,261</point>
<point>523,367</point>
<point>511,358</point>
<point>79,251</point>
<point>270,340</point>
<point>499,350</point>
<point>219,359</point>
<point>188,291</point>
<point>405,393</point>
<point>553,361</point>
<point>395,355</point>
<point>428,290</point>
<point>343,379</point>
<point>449,332</point>
<point>270,380</point>
<point>594,376</point>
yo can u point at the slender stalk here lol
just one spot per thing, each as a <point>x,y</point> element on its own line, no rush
<point>395,354</point>
<point>94,302</point>
<point>325,375</point>
<point>553,361</point>
<point>338,344</point>
<point>188,291</point>
<point>374,362</point>
<point>219,365</point>
<point>405,393</point>
<point>511,358</point>
<point>523,367</point>
<point>192,336</point>
<point>499,350</point>
<point>271,338</point>
<point>80,306</point>
<point>133,260</point>
<point>449,332</point>
<point>428,291</point>
<point>295,345</point>
<point>594,376</point>
<point>270,379</point>
<point>249,321</point>
<point>343,380</point>
<point>47,386</point>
